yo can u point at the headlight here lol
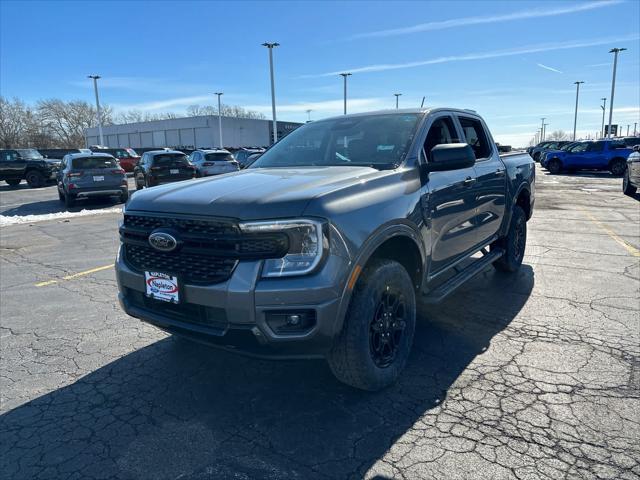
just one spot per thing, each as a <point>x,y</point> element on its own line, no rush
<point>307,245</point>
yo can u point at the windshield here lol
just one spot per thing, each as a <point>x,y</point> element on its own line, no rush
<point>379,141</point>
<point>131,152</point>
<point>170,159</point>
<point>212,157</point>
<point>90,163</point>
<point>30,154</point>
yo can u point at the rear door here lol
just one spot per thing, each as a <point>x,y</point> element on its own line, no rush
<point>490,187</point>
<point>448,201</point>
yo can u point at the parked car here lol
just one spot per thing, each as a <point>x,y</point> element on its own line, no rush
<point>26,164</point>
<point>162,166</point>
<point>631,179</point>
<point>127,157</point>
<point>213,162</point>
<point>244,153</point>
<point>251,159</point>
<point>599,155</point>
<point>631,141</point>
<point>91,175</point>
<point>322,246</point>
<point>59,153</point>
<point>544,156</point>
<point>545,146</point>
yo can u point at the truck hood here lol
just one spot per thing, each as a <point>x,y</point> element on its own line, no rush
<point>255,193</point>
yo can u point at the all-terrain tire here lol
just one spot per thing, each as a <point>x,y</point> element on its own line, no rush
<point>356,357</point>
<point>514,243</point>
<point>35,179</point>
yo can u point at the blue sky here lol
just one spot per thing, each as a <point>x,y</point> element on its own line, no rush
<point>513,62</point>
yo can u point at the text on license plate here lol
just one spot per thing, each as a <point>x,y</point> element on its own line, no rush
<point>98,178</point>
<point>161,286</point>
<point>174,171</point>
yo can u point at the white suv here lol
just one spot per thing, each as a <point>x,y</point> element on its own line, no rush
<point>213,162</point>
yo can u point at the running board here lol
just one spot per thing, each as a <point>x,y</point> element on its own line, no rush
<point>448,287</point>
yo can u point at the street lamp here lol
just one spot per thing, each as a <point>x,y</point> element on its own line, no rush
<point>397,97</point>
<point>309,115</point>
<point>270,46</point>
<point>575,116</point>
<point>604,109</point>
<point>95,89</point>
<point>615,51</point>
<point>219,94</point>
<point>542,130</point>
<point>344,76</point>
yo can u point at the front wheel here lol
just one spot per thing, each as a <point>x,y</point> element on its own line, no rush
<point>627,188</point>
<point>554,166</point>
<point>618,167</point>
<point>373,347</point>
<point>514,243</point>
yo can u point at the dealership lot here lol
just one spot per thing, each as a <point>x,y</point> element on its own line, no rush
<point>512,377</point>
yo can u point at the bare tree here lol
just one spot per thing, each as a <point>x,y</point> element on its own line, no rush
<point>558,135</point>
<point>13,121</point>
<point>67,120</point>
<point>227,111</point>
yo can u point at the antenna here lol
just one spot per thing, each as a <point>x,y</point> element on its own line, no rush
<point>422,104</point>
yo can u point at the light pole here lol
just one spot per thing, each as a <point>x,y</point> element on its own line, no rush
<point>397,97</point>
<point>219,94</point>
<point>95,89</point>
<point>604,109</point>
<point>615,51</point>
<point>575,116</point>
<point>309,115</point>
<point>542,130</point>
<point>634,128</point>
<point>628,130</point>
<point>270,46</point>
<point>344,76</point>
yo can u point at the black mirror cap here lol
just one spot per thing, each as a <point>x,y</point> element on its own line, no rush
<point>450,156</point>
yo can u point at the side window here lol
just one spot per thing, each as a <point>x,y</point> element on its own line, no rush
<point>441,131</point>
<point>597,147</point>
<point>618,144</point>
<point>195,156</point>
<point>476,137</point>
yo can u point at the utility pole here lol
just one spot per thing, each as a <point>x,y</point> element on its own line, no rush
<point>270,46</point>
<point>397,97</point>
<point>344,76</point>
<point>309,115</point>
<point>95,88</point>
<point>575,116</point>
<point>604,109</point>
<point>542,130</point>
<point>219,94</point>
<point>615,51</point>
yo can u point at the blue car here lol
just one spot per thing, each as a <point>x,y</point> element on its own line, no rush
<point>600,155</point>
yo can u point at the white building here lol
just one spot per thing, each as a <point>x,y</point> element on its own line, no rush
<point>190,132</point>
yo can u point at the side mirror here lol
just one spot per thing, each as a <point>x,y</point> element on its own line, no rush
<point>450,156</point>
<point>636,148</point>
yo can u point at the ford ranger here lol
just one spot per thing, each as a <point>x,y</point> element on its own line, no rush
<point>325,245</point>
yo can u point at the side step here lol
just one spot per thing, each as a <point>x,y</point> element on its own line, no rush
<point>448,287</point>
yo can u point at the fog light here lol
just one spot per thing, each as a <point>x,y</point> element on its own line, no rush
<point>289,322</point>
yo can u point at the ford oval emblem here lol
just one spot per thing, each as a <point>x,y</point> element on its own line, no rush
<point>163,241</point>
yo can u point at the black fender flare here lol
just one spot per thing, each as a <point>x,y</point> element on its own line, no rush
<point>375,240</point>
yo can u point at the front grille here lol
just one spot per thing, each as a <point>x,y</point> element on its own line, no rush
<point>209,252</point>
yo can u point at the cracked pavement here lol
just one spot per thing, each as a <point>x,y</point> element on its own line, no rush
<point>529,376</point>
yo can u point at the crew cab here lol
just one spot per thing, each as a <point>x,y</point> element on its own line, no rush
<point>324,245</point>
<point>27,164</point>
<point>599,155</point>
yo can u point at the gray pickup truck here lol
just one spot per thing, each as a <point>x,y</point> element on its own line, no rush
<point>324,245</point>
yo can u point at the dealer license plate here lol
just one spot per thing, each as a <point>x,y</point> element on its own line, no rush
<point>174,171</point>
<point>161,286</point>
<point>98,178</point>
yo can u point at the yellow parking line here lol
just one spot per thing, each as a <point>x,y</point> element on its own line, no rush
<point>75,275</point>
<point>630,248</point>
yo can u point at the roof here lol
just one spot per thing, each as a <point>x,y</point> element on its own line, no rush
<point>213,150</point>
<point>89,154</point>
<point>165,151</point>
<point>403,111</point>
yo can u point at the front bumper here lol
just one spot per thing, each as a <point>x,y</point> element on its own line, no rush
<point>233,314</point>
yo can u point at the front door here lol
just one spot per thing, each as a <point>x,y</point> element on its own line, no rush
<point>449,202</point>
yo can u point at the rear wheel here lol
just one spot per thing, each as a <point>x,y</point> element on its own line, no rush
<point>627,188</point>
<point>35,179</point>
<point>13,182</point>
<point>374,344</point>
<point>124,196</point>
<point>69,200</point>
<point>554,166</point>
<point>514,243</point>
<point>60,196</point>
<point>618,166</point>
<point>139,186</point>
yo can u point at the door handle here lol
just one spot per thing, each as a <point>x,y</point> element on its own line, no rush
<point>469,181</point>
<point>500,172</point>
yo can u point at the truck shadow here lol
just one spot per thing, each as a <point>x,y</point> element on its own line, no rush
<point>175,409</point>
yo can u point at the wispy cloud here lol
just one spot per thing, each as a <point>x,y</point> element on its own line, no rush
<point>546,67</point>
<point>480,20</point>
<point>167,104</point>
<point>596,65</point>
<point>328,106</point>
<point>545,47</point>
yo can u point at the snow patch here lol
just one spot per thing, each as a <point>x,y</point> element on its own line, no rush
<point>22,219</point>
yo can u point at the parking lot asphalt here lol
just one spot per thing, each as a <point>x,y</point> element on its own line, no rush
<point>532,375</point>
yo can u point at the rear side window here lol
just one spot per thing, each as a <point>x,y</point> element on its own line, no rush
<point>476,137</point>
<point>212,157</point>
<point>169,159</point>
<point>618,144</point>
<point>93,162</point>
